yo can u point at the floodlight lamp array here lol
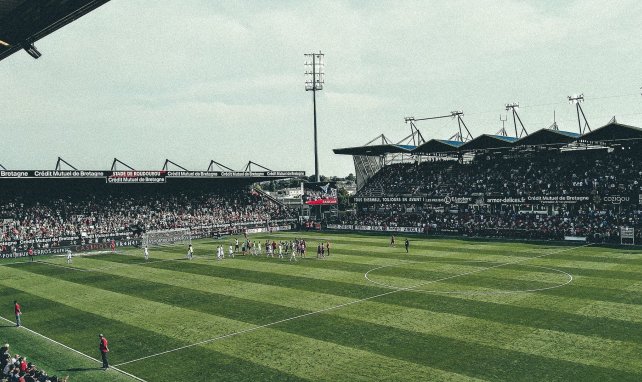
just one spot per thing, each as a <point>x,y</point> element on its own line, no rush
<point>314,72</point>
<point>512,106</point>
<point>575,99</point>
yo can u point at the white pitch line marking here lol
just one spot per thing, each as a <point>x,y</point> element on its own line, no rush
<point>75,351</point>
<point>473,292</point>
<point>61,266</point>
<point>120,265</point>
<point>254,328</point>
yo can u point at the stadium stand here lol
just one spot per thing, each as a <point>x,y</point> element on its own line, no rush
<point>38,219</point>
<point>49,213</point>
<point>553,173</point>
<point>549,185</point>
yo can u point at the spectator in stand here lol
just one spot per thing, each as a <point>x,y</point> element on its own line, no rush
<point>551,173</point>
<point>79,219</point>
<point>16,368</point>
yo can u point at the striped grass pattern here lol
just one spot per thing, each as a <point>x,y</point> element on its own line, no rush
<point>451,310</point>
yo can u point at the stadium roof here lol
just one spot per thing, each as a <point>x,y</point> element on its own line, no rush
<point>435,146</point>
<point>376,150</point>
<point>613,132</point>
<point>486,142</point>
<point>548,137</point>
<point>22,22</point>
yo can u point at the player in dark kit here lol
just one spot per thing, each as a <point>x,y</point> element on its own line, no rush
<point>392,240</point>
<point>406,244</point>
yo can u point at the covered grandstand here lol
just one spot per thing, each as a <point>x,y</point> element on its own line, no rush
<point>611,134</point>
<point>550,184</point>
<point>51,210</point>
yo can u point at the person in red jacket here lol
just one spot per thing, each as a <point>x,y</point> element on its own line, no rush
<point>104,349</point>
<point>18,311</point>
<point>23,364</point>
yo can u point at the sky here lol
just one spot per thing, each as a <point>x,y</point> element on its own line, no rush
<point>197,80</point>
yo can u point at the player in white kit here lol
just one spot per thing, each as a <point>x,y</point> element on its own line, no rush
<point>293,255</point>
<point>69,256</point>
<point>231,253</point>
<point>219,253</point>
<point>146,254</point>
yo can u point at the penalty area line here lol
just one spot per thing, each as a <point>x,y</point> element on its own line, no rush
<point>255,328</point>
<point>74,350</point>
<point>99,269</point>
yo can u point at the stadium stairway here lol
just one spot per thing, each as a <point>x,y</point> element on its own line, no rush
<point>270,197</point>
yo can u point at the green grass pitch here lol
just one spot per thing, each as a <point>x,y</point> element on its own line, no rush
<point>451,310</point>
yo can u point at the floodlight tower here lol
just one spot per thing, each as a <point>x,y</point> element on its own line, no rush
<point>314,80</point>
<point>513,107</point>
<point>577,100</point>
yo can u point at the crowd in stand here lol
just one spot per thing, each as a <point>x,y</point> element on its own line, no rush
<point>593,173</point>
<point>554,173</point>
<point>24,219</point>
<point>596,174</point>
<point>15,368</point>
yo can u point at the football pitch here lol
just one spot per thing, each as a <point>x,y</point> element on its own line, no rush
<point>450,310</point>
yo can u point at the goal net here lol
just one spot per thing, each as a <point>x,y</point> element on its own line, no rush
<point>167,237</point>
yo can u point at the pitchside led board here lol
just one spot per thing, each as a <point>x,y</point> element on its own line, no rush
<point>320,193</point>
